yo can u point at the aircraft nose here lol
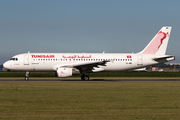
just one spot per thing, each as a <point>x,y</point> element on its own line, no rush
<point>6,65</point>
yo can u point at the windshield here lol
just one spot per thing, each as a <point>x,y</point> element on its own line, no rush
<point>14,59</point>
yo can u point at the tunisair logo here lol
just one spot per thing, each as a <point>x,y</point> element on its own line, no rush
<point>43,56</point>
<point>164,37</point>
<point>156,43</point>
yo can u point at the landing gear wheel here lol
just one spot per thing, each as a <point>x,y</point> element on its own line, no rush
<point>84,77</point>
<point>26,78</point>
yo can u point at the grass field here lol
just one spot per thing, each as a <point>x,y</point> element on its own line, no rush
<point>90,100</point>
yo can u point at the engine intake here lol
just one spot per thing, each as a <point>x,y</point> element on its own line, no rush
<point>64,72</point>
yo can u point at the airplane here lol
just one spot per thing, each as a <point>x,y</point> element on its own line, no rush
<point>68,64</point>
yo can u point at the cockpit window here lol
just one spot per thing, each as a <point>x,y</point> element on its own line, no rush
<point>14,59</point>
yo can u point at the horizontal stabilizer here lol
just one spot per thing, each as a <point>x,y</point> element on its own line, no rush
<point>164,59</point>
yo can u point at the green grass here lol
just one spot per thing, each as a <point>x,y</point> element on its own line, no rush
<point>90,100</point>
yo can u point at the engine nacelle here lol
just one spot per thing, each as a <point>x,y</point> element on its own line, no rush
<point>64,72</point>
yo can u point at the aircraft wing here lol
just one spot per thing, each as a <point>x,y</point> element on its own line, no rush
<point>87,65</point>
<point>83,66</point>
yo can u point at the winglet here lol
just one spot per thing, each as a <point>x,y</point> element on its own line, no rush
<point>159,43</point>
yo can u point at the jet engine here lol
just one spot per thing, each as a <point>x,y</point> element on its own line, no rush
<point>64,72</point>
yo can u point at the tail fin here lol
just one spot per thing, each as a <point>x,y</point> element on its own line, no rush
<point>159,43</point>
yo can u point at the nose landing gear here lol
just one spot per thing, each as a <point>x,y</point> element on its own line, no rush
<point>27,76</point>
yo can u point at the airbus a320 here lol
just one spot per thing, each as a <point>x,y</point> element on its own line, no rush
<point>68,64</point>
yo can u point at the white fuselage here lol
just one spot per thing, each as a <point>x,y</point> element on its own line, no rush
<point>50,61</point>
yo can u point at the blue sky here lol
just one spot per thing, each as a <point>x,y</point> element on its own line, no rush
<point>113,26</point>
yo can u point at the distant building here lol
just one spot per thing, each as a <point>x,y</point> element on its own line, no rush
<point>155,68</point>
<point>174,63</point>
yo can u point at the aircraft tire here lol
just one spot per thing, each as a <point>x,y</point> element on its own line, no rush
<point>26,78</point>
<point>84,77</point>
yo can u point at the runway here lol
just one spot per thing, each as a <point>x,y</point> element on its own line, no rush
<point>93,80</point>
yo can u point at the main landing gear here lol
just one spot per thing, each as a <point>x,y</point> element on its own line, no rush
<point>84,77</point>
<point>27,76</point>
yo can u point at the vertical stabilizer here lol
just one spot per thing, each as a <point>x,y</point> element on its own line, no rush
<point>159,43</point>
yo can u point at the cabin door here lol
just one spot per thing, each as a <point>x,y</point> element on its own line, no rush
<point>26,59</point>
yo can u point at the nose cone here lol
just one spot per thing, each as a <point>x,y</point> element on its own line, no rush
<point>6,65</point>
